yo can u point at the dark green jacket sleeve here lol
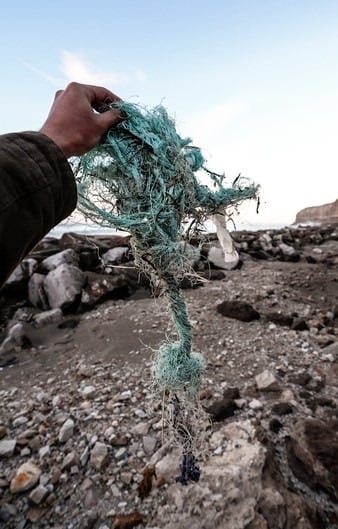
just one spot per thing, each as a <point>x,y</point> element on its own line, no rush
<point>37,191</point>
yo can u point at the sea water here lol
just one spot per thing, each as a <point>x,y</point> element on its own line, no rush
<point>94,229</point>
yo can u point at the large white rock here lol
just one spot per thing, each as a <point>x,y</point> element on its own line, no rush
<point>63,286</point>
<point>229,489</point>
<point>217,258</point>
<point>114,255</point>
<point>68,256</point>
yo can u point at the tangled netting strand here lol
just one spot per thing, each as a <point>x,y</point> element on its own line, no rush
<point>142,178</point>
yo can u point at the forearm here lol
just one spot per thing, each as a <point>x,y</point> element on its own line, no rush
<point>37,191</point>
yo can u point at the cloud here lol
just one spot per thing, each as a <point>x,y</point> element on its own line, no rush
<point>75,67</point>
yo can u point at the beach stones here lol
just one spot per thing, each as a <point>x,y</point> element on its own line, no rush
<point>68,256</point>
<point>239,310</point>
<point>63,286</point>
<point>26,476</point>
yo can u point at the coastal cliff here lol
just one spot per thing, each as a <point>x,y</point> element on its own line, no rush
<point>327,213</point>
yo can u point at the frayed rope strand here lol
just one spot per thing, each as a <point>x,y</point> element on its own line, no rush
<point>141,178</point>
<point>176,367</point>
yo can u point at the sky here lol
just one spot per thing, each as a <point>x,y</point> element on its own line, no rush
<point>254,83</point>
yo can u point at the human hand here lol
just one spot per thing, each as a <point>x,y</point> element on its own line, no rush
<point>72,122</point>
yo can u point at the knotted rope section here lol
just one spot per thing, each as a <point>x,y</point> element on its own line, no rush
<point>142,178</point>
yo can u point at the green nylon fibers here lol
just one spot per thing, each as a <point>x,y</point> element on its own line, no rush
<point>142,178</point>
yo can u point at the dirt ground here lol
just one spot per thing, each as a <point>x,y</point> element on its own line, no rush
<point>128,331</point>
<point>89,376</point>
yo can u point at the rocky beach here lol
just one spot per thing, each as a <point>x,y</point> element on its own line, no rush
<point>82,442</point>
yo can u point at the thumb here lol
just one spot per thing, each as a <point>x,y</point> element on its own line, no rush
<point>109,119</point>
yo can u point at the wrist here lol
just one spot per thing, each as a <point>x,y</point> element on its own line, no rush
<point>67,149</point>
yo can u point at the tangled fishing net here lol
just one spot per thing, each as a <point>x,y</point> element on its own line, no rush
<point>142,178</point>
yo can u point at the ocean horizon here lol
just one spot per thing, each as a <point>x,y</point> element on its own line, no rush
<point>94,229</point>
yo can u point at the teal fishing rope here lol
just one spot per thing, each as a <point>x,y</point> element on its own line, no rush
<point>141,178</point>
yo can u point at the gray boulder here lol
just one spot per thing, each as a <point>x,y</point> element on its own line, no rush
<point>63,287</point>
<point>16,284</point>
<point>115,256</point>
<point>68,256</point>
<point>288,253</point>
<point>47,317</point>
<point>217,258</point>
<point>36,291</point>
<point>15,339</point>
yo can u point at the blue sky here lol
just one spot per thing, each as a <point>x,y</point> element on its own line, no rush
<point>254,83</point>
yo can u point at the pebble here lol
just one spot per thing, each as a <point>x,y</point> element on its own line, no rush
<point>44,451</point>
<point>115,491</point>
<point>125,395</point>
<point>69,461</point>
<point>38,494</point>
<point>56,401</point>
<point>109,433</point>
<point>99,455</point>
<point>120,452</point>
<point>85,371</point>
<point>255,404</point>
<point>140,414</point>
<point>88,392</point>
<point>91,498</point>
<point>55,475</point>
<point>86,484</point>
<point>26,476</point>
<point>266,381</point>
<point>149,444</point>
<point>66,431</point>
<point>84,456</point>
<point>141,428</point>
<point>126,476</point>
<point>7,447</point>
<point>19,421</point>
<point>43,396</point>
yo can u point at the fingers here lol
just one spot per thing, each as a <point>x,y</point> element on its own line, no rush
<point>57,94</point>
<point>96,95</point>
<point>109,119</point>
<point>72,122</point>
<point>100,94</point>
